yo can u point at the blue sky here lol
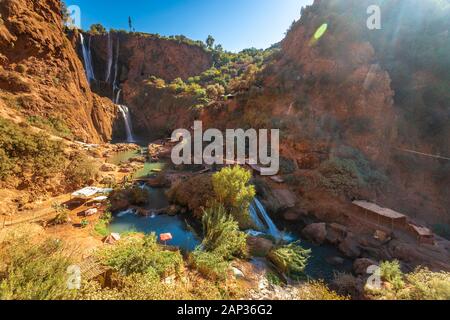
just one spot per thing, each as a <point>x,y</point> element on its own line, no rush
<point>236,24</point>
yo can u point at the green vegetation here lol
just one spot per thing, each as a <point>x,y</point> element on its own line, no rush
<point>391,272</point>
<point>62,214</point>
<point>81,171</point>
<point>232,189</point>
<point>318,291</point>
<point>31,271</point>
<point>210,264</point>
<point>97,29</point>
<point>132,194</point>
<point>290,260</point>
<point>223,241</point>
<point>347,171</point>
<point>135,255</point>
<point>222,234</point>
<point>101,227</point>
<point>210,42</point>
<point>421,284</point>
<point>31,157</point>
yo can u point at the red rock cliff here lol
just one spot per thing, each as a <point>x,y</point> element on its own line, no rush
<point>41,74</point>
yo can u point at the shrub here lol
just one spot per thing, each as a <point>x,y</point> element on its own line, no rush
<point>318,291</point>
<point>339,176</point>
<point>427,285</point>
<point>84,223</point>
<point>97,29</point>
<point>29,155</point>
<point>81,171</point>
<point>222,234</point>
<point>391,272</point>
<point>209,264</point>
<point>196,194</point>
<point>142,256</point>
<point>54,125</point>
<point>34,271</point>
<point>232,189</point>
<point>62,214</point>
<point>290,259</point>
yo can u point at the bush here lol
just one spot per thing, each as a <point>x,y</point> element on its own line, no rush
<point>222,234</point>
<point>142,256</point>
<point>340,176</point>
<point>81,171</point>
<point>318,291</point>
<point>427,285</point>
<point>28,155</point>
<point>209,264</point>
<point>196,194</point>
<point>97,29</point>
<point>62,214</point>
<point>391,272</point>
<point>54,125</point>
<point>34,271</point>
<point>232,189</point>
<point>290,260</point>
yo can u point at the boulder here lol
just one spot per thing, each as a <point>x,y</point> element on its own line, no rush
<point>350,247</point>
<point>237,273</point>
<point>259,247</point>
<point>108,167</point>
<point>316,232</point>
<point>360,265</point>
<point>336,233</point>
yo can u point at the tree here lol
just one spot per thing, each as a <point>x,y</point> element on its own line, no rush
<point>130,24</point>
<point>210,42</point>
<point>232,189</point>
<point>97,29</point>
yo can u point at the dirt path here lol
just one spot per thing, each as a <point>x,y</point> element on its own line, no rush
<point>44,212</point>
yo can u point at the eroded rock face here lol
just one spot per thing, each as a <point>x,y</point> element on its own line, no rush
<point>127,61</point>
<point>41,73</point>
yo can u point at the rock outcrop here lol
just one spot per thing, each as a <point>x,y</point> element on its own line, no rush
<point>41,74</point>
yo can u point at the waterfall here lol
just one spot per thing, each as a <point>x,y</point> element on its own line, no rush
<point>117,97</point>
<point>255,217</point>
<point>268,225</point>
<point>116,65</point>
<point>128,125</point>
<point>273,230</point>
<point>87,59</point>
<point>110,58</point>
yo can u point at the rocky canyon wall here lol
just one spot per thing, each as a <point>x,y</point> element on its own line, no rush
<point>41,74</point>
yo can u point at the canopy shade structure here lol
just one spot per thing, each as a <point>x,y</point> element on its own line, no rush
<point>100,199</point>
<point>89,192</point>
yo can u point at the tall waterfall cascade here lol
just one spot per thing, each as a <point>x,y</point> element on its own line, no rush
<point>128,125</point>
<point>110,58</point>
<point>116,67</point>
<point>86,47</point>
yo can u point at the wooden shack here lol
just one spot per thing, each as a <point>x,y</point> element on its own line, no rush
<point>382,216</point>
<point>423,235</point>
